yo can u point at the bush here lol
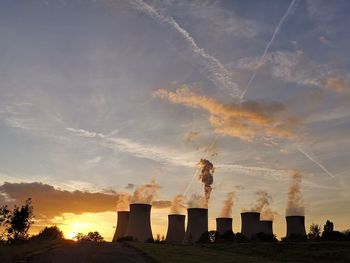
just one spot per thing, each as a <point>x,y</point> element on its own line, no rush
<point>335,236</point>
<point>204,238</point>
<point>49,233</point>
<point>263,237</point>
<point>127,238</point>
<point>150,240</point>
<point>295,238</point>
<point>228,236</point>
<point>90,237</point>
<point>240,238</point>
<point>159,240</point>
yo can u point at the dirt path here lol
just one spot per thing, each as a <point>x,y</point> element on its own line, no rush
<point>90,252</point>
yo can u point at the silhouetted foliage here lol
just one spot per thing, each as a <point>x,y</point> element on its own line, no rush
<point>159,239</point>
<point>315,232</point>
<point>4,220</point>
<point>49,233</point>
<point>263,237</point>
<point>228,236</point>
<point>240,238</point>
<point>127,238</point>
<point>17,222</point>
<point>295,238</point>
<point>204,238</point>
<point>150,240</point>
<point>90,237</point>
<point>327,229</point>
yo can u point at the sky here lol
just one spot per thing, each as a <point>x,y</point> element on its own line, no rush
<point>104,96</point>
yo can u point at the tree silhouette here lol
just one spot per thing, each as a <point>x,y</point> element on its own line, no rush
<point>328,228</point>
<point>90,237</point>
<point>17,222</point>
<point>315,231</point>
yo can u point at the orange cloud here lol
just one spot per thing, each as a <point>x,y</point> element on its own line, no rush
<point>337,85</point>
<point>246,121</point>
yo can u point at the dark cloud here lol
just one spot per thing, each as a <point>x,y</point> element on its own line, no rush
<point>49,201</point>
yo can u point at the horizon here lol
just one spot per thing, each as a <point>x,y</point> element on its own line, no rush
<point>100,98</point>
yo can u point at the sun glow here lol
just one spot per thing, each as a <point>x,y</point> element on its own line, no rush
<point>72,224</point>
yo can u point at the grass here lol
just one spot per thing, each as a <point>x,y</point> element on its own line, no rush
<point>248,252</point>
<point>308,252</point>
<point>18,253</point>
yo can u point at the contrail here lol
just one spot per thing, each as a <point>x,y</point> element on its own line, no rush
<point>259,62</point>
<point>312,159</point>
<point>218,74</point>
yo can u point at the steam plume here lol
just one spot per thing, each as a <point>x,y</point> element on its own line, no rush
<point>123,201</point>
<point>263,200</point>
<point>197,201</point>
<point>178,205</point>
<point>145,193</point>
<point>226,210</point>
<point>295,204</point>
<point>262,205</point>
<point>206,176</point>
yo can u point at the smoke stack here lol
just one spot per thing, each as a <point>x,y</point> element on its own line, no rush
<point>122,225</point>
<point>266,227</point>
<point>176,229</point>
<point>139,226</point>
<point>197,224</point>
<point>223,225</point>
<point>295,226</point>
<point>250,223</point>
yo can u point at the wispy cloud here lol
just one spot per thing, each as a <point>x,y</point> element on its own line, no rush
<point>297,68</point>
<point>217,72</point>
<point>188,160</point>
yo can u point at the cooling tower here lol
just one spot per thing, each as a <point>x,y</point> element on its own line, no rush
<point>295,226</point>
<point>197,224</point>
<point>122,225</point>
<point>266,227</point>
<point>176,229</point>
<point>250,223</point>
<point>223,225</point>
<point>139,226</point>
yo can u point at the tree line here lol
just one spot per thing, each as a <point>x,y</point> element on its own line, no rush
<point>15,224</point>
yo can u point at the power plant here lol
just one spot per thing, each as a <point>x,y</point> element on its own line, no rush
<point>223,225</point>
<point>176,229</point>
<point>139,226</point>
<point>197,224</point>
<point>295,226</point>
<point>122,225</point>
<point>266,227</point>
<point>250,224</point>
